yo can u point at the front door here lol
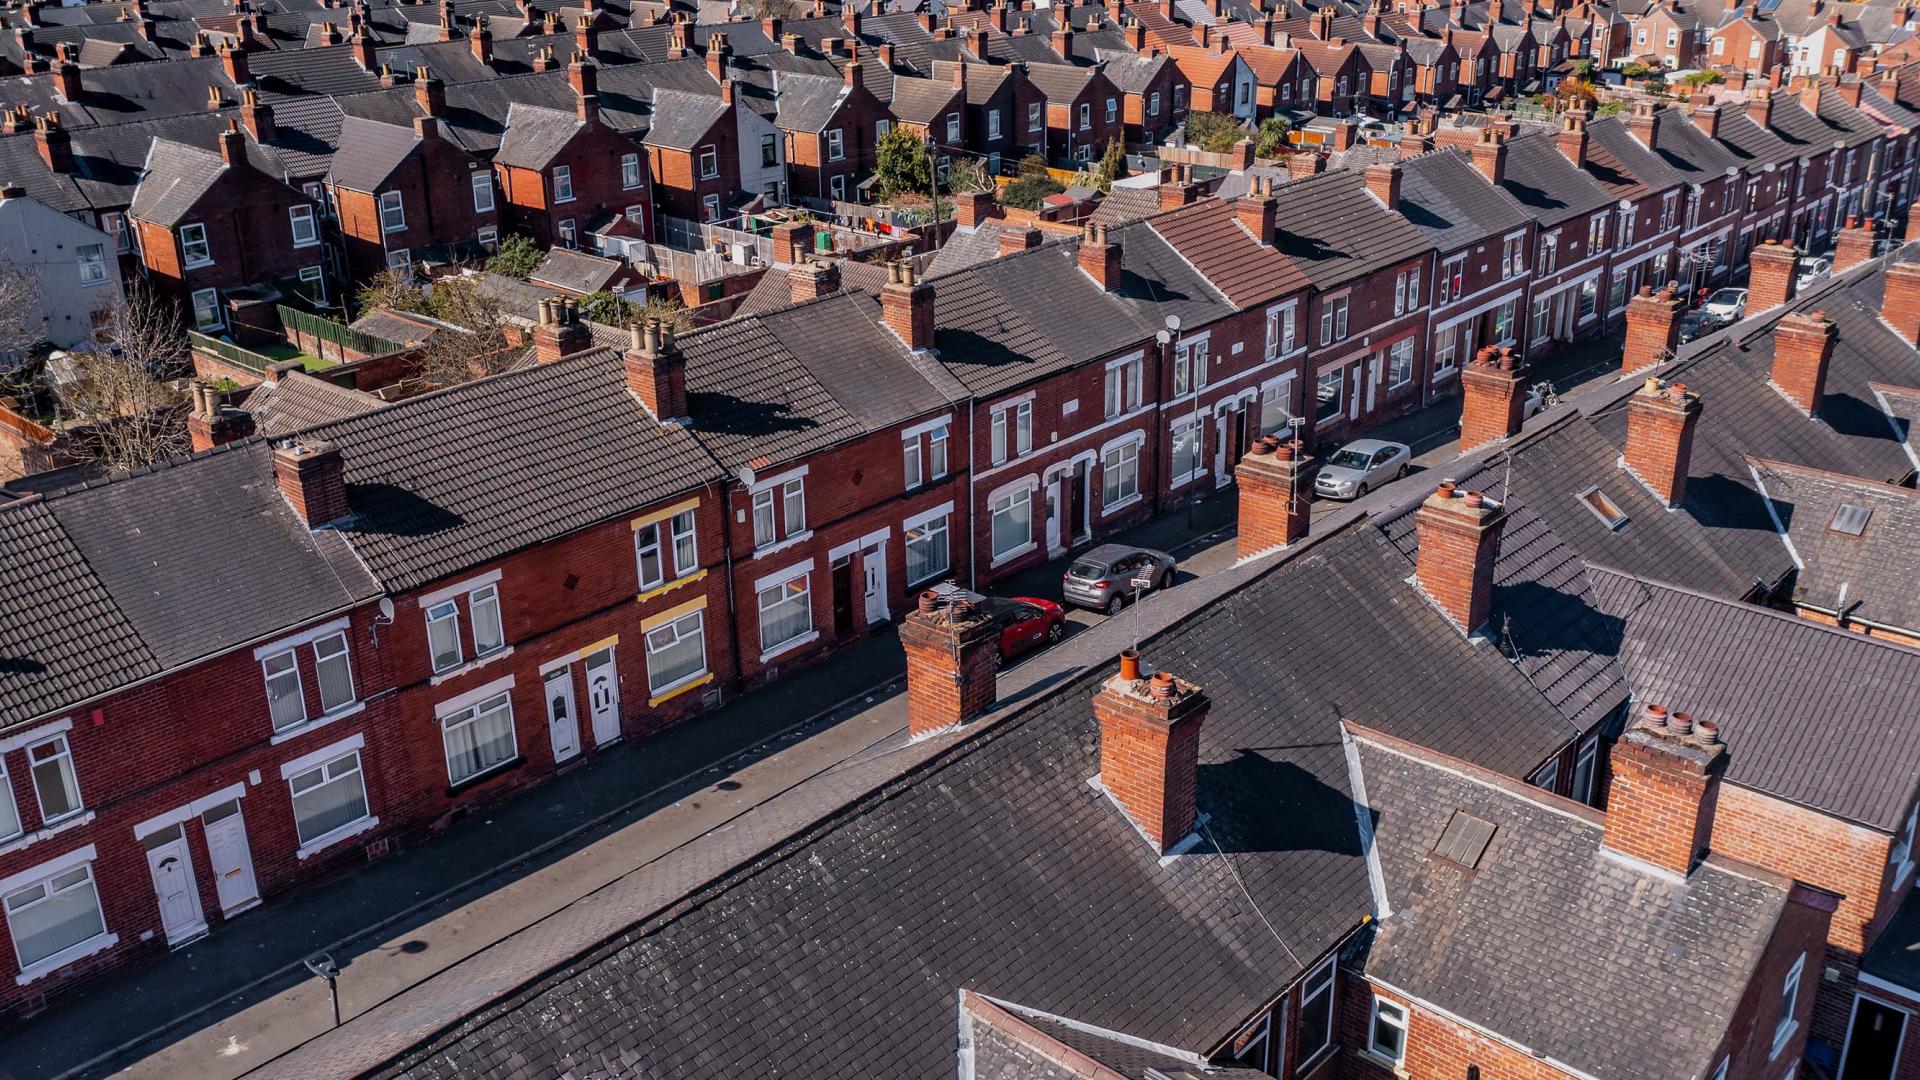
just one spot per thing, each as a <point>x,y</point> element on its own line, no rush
<point>843,596</point>
<point>1054,514</point>
<point>231,857</point>
<point>603,697</point>
<point>172,869</point>
<point>1873,1042</point>
<point>1078,500</point>
<point>873,564</point>
<point>563,723</point>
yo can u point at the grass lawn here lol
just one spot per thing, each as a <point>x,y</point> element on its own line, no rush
<point>308,361</point>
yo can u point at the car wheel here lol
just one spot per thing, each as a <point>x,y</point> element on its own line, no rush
<point>1056,632</point>
<point>1166,580</point>
<point>1114,605</point>
<point>1402,474</point>
<point>1360,492</point>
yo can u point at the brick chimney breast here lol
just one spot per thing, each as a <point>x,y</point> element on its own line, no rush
<point>906,306</point>
<point>792,242</point>
<point>953,664</point>
<point>1257,210</point>
<point>1150,751</point>
<point>1901,307</point>
<point>1493,399</point>
<point>1275,496</point>
<point>1664,790</point>
<point>1661,418</point>
<point>1653,329</point>
<point>1770,276</point>
<point>1802,348</point>
<point>656,370</point>
<point>313,478</point>
<point>1019,238</point>
<point>1459,543</point>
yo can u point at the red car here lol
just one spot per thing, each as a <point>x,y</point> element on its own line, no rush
<point>1026,622</point>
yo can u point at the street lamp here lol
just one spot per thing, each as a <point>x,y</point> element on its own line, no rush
<point>324,966</point>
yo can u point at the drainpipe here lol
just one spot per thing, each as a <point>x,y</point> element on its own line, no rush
<point>726,549</point>
<point>973,535</point>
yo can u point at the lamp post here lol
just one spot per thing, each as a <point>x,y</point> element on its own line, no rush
<point>324,966</point>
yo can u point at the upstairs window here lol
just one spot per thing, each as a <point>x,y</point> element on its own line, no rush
<point>1388,1036</point>
<point>630,171</point>
<point>1123,390</point>
<point>93,263</point>
<point>50,763</point>
<point>393,212</point>
<point>1789,1003</point>
<point>779,511</point>
<point>953,129</point>
<point>482,192</point>
<point>1280,331</point>
<point>709,163</point>
<point>1086,116</point>
<point>194,249</point>
<point>1316,1012</point>
<point>1034,116</point>
<point>305,232</point>
<point>836,145</point>
<point>1012,431</point>
<point>1190,364</point>
<point>562,184</point>
<point>443,635</point>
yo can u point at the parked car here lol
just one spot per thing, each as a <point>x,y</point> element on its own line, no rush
<point>1813,270</point>
<point>1102,579</point>
<point>1026,622</point>
<point>1360,466</point>
<point>1726,305</point>
<point>1539,396</point>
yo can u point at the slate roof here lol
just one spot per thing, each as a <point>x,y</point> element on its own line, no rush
<point>1447,199</point>
<point>369,152</point>
<point>1546,937</point>
<point>298,400</point>
<point>1334,231</point>
<point>1061,83</point>
<point>681,119</point>
<point>444,481</point>
<point>178,177</point>
<point>1007,819</point>
<point>1627,169</point>
<point>922,101</point>
<point>774,290</point>
<point>1125,204</point>
<point>533,135</point>
<point>807,102</point>
<point>576,271</point>
<point>1831,729</point>
<point>1870,572</point>
<point>1013,1043</point>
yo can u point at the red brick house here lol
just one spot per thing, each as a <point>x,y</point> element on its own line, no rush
<point>1082,109</point>
<point>1005,112</point>
<point>831,129</point>
<point>560,172</point>
<point>401,195</point>
<point>693,145</point>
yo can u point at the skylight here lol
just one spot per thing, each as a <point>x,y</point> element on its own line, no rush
<point>1603,508</point>
<point>1850,519</point>
<point>1465,839</point>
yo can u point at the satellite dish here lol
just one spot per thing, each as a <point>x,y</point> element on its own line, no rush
<point>386,608</point>
<point>746,476</point>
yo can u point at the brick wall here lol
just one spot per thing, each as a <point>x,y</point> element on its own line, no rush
<point>678,188</point>
<point>594,156</point>
<point>436,195</point>
<point>1372,327</point>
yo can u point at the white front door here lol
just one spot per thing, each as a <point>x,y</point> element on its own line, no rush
<point>873,562</point>
<point>1054,511</point>
<point>173,884</point>
<point>563,724</point>
<point>231,857</point>
<point>603,697</point>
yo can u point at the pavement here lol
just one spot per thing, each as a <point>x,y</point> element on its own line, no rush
<point>242,997</point>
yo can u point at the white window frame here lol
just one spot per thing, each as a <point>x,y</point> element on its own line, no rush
<point>993,123</point>
<point>486,598</point>
<point>41,877</point>
<point>1035,116</point>
<point>683,529</point>
<point>114,224</point>
<point>1281,330</point>
<point>569,236</point>
<point>400,261</point>
<point>64,767</point>
<point>836,144</point>
<point>1004,503</point>
<point>1123,385</point>
<point>1308,992</point>
<point>1119,476</point>
<point>323,762</point>
<point>1790,1004</point>
<point>315,277</point>
<point>1011,431</point>
<point>646,539</point>
<point>1086,116</point>
<point>10,804</point>
<point>1192,363</point>
<point>482,182</point>
<point>782,583</point>
<point>562,183</point>
<point>345,657</point>
<point>630,172</point>
<point>467,715</point>
<point>1186,430</point>
<point>1383,1013</point>
<point>910,463</point>
<point>953,129</point>
<point>393,212</point>
<point>1400,352</point>
<point>922,528</point>
<point>937,453</point>
<point>292,658</point>
<point>793,505</point>
<point>451,616</point>
<point>191,237</point>
<point>681,633</point>
<point>709,162</point>
<point>765,514</point>
<point>1586,767</point>
<point>93,267</point>
<point>306,229</point>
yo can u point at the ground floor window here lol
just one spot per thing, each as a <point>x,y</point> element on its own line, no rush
<point>1328,392</point>
<point>59,912</point>
<point>206,309</point>
<point>479,738</point>
<point>1274,413</point>
<point>1589,297</point>
<point>1012,521</point>
<point>927,555</point>
<point>1542,306</point>
<point>1444,344</point>
<point>786,612</point>
<point>1186,449</point>
<point>676,652</point>
<point>328,797</point>
<point>1120,474</point>
<point>1400,364</point>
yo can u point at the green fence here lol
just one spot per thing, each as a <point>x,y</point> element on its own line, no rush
<point>322,332</point>
<point>229,353</point>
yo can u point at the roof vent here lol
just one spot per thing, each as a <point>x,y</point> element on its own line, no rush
<point>1465,839</point>
<point>1850,519</point>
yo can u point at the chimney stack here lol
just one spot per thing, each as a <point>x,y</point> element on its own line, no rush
<point>1707,119</point>
<point>1572,139</point>
<point>1100,259</point>
<point>55,145</point>
<point>480,39</point>
<point>1276,496</point>
<point>906,306</point>
<point>656,372</point>
<point>1854,245</point>
<point>584,76</point>
<point>257,115</point>
<point>792,242</point>
<point>365,52</point>
<point>1459,543</point>
<point>1305,164</point>
<point>1383,181</point>
<point>1015,239</point>
<point>1489,154</point>
<point>971,208</point>
<point>1150,750</point>
<point>1653,329</point>
<point>1257,210</point>
<point>212,423</point>
<point>559,332</point>
<point>1802,348</point>
<point>1640,123</point>
<point>233,145</point>
<point>1770,273</point>
<point>429,92</point>
<point>586,37</point>
<point>1493,399</point>
<point>67,76</point>
<point>1901,306</point>
<point>1660,422</point>
<point>1666,783</point>
<point>1179,189</point>
<point>953,662</point>
<point>717,53</point>
<point>1760,107</point>
<point>314,480</point>
<point>812,279</point>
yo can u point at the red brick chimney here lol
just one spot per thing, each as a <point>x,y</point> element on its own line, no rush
<point>656,372</point>
<point>1760,107</point>
<point>1707,119</point>
<point>1770,275</point>
<point>1901,307</point>
<point>1854,245</point>
<point>1018,238</point>
<point>1383,181</point>
<point>717,54</point>
<point>559,332</point>
<point>429,93</point>
<point>67,75</point>
<point>1275,496</point>
<point>1666,783</point>
<point>906,306</point>
<point>1150,750</point>
<point>1802,348</point>
<point>1459,543</point>
<point>233,145</point>
<point>234,61</point>
<point>812,279</point>
<point>1489,155</point>
<point>970,208</point>
<point>1100,259</point>
<point>1640,122</point>
<point>1913,223</point>
<point>1572,139</point>
<point>1493,400</point>
<point>365,52</point>
<point>792,242</point>
<point>1257,210</point>
<point>1305,164</point>
<point>953,660</point>
<point>586,37</point>
<point>256,115</point>
<point>314,480</point>
<point>212,423</point>
<point>1660,422</point>
<point>1653,328</point>
<point>584,76</point>
<point>1178,189</point>
<point>480,39</point>
<point>55,145</point>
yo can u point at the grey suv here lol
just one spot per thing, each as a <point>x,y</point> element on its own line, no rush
<point>1102,578</point>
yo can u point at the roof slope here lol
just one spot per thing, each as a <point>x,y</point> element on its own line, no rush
<point>1832,730</point>
<point>1546,938</point>
<point>1446,198</point>
<point>369,152</point>
<point>297,400</point>
<point>178,176</point>
<point>1335,231</point>
<point>1869,571</point>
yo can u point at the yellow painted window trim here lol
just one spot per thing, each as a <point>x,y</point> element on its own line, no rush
<point>703,680</point>
<point>661,590</point>
<point>661,515</point>
<point>698,603</point>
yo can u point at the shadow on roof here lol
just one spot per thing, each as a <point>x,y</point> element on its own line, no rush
<point>1297,811</point>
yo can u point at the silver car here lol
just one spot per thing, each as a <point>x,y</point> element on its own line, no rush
<point>1103,578</point>
<point>1813,270</point>
<point>1360,466</point>
<point>1726,305</point>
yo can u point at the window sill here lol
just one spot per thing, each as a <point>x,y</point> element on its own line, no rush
<point>196,265</point>
<point>1781,1037</point>
<point>661,590</point>
<point>27,840</point>
<point>790,645</point>
<point>1015,553</point>
<point>558,202</point>
<point>324,842</point>
<point>479,778</point>
<point>472,665</point>
<point>674,690</point>
<point>321,721</point>
<point>1398,1068</point>
<point>66,956</point>
<point>781,545</point>
<point>1109,510</point>
<point>298,244</point>
<point>1183,479</point>
<point>1319,1058</point>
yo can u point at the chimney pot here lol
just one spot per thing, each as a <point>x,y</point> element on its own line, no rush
<point>560,332</point>
<point>1099,258</point>
<point>1854,245</point>
<point>906,306</point>
<point>1665,787</point>
<point>1493,400</point>
<point>656,370</point>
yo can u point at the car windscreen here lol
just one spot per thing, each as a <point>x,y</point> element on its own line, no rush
<point>1349,459</point>
<point>1085,570</point>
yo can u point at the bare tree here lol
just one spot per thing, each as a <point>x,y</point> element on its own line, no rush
<point>20,323</point>
<point>478,348</point>
<point>771,9</point>
<point>116,403</point>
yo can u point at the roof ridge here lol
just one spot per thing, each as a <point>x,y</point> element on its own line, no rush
<point>1782,617</point>
<point>1831,474</point>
